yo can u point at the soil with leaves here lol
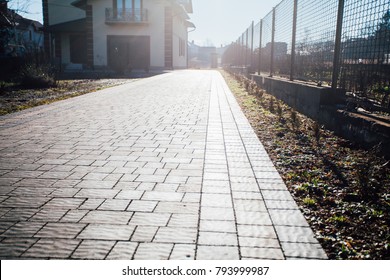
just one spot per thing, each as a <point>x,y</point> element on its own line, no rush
<point>15,98</point>
<point>342,189</point>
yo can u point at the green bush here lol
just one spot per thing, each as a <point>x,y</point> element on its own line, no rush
<point>37,76</point>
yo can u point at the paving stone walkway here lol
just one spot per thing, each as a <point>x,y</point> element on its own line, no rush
<point>163,168</point>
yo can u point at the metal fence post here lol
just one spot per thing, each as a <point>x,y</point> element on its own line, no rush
<point>242,50</point>
<point>246,47</point>
<point>261,42</point>
<point>294,38</point>
<point>253,27</point>
<point>272,43</point>
<point>337,47</point>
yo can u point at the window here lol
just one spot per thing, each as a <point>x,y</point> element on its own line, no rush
<point>120,5</point>
<point>128,9</point>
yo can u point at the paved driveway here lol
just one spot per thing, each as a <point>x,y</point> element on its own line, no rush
<point>163,168</point>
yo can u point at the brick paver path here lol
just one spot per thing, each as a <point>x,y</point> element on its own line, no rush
<point>163,168</point>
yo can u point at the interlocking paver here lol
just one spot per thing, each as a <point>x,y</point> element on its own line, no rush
<point>144,234</point>
<point>107,232</point>
<point>93,249</point>
<point>217,253</point>
<point>163,168</point>
<point>122,251</point>
<point>52,248</point>
<point>177,235</point>
<point>183,252</point>
<point>154,251</point>
<point>107,217</point>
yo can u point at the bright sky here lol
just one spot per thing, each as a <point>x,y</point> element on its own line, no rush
<point>217,21</point>
<point>223,21</point>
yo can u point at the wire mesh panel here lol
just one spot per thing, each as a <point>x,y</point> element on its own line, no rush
<point>283,37</point>
<point>316,29</point>
<point>256,37</point>
<point>309,51</point>
<point>266,45</point>
<point>366,48</point>
<point>256,45</point>
<point>250,46</point>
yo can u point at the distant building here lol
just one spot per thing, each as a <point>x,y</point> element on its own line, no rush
<point>202,57</point>
<point>19,35</point>
<point>118,34</point>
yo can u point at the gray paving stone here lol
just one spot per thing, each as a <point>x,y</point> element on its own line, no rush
<point>150,219</point>
<point>304,250</point>
<point>107,217</point>
<point>175,162</point>
<point>107,232</point>
<point>253,218</point>
<point>129,194</point>
<point>91,204</point>
<point>96,184</point>
<point>175,235</point>
<point>114,205</point>
<point>60,230</point>
<point>52,248</point>
<point>262,253</point>
<point>15,247</point>
<point>163,196</point>
<point>217,238</point>
<point>288,218</point>
<point>254,205</point>
<point>217,226</point>
<point>257,242</point>
<point>122,251</point>
<point>153,251</point>
<point>184,220</point>
<point>25,201</point>
<point>217,214</point>
<point>256,231</point>
<point>217,253</point>
<point>142,206</point>
<point>49,215</point>
<point>73,216</point>
<point>183,252</point>
<point>144,233</point>
<point>64,203</point>
<point>177,207</point>
<point>93,250</point>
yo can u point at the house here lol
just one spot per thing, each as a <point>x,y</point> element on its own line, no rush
<point>202,57</point>
<point>18,35</point>
<point>118,34</point>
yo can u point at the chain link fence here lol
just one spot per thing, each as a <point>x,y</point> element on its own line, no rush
<point>338,43</point>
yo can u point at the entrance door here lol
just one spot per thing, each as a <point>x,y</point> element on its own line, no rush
<point>128,52</point>
<point>78,49</point>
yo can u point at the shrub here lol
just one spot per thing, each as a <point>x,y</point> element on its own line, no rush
<point>271,105</point>
<point>317,132</point>
<point>294,119</point>
<point>279,110</point>
<point>37,76</point>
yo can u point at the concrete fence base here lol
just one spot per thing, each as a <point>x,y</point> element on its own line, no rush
<point>327,107</point>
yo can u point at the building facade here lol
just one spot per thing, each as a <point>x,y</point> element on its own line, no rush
<point>118,34</point>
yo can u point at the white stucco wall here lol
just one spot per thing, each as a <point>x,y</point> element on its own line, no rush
<point>179,32</point>
<point>154,29</point>
<point>61,11</point>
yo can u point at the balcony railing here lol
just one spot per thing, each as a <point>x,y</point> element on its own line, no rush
<point>126,15</point>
